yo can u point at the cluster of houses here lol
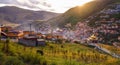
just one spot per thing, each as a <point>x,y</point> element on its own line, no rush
<point>112,9</point>
<point>28,38</point>
<point>107,24</point>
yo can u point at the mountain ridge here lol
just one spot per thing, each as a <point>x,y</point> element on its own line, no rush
<point>79,13</point>
<point>18,15</point>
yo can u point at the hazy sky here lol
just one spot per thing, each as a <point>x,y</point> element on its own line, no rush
<point>59,6</point>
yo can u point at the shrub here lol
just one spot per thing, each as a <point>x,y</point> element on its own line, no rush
<point>53,63</point>
<point>43,62</point>
<point>118,62</point>
<point>2,57</point>
<point>33,59</point>
<point>70,62</point>
<point>40,52</point>
<point>12,61</point>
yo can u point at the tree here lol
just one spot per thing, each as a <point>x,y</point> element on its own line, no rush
<point>0,37</point>
<point>6,45</point>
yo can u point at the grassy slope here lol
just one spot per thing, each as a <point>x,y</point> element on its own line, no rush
<point>57,54</point>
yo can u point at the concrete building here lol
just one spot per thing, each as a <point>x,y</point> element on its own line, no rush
<point>32,41</point>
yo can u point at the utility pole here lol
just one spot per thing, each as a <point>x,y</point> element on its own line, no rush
<point>30,28</point>
<point>30,23</point>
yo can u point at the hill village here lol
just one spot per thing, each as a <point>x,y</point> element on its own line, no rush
<point>106,29</point>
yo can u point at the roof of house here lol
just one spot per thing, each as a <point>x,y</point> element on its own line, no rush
<point>17,32</point>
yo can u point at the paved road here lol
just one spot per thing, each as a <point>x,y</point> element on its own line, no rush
<point>105,50</point>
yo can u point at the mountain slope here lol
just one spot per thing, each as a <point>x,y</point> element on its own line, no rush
<point>79,13</point>
<point>17,15</point>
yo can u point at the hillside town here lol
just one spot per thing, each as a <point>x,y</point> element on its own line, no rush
<point>106,30</point>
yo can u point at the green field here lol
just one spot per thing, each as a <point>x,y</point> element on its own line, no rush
<point>54,54</point>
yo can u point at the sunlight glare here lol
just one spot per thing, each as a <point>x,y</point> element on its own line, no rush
<point>62,5</point>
